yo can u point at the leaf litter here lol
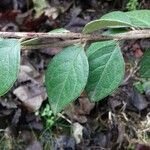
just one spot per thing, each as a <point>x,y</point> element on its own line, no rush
<point>119,122</point>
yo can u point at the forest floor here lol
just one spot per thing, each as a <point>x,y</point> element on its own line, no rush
<point>120,121</point>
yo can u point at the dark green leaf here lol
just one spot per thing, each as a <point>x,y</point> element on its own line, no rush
<point>139,18</point>
<point>106,69</point>
<point>117,19</point>
<point>103,23</point>
<point>110,20</point>
<point>145,65</point>
<point>9,63</point>
<point>66,77</point>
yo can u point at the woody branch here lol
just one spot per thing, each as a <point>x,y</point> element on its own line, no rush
<point>72,38</point>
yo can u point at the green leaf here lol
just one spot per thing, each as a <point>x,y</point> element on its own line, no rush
<point>117,19</point>
<point>110,20</point>
<point>139,18</point>
<point>9,63</point>
<point>103,23</point>
<point>66,77</point>
<point>106,69</point>
<point>118,16</point>
<point>145,65</point>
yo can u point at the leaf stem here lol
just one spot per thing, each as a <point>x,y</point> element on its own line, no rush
<point>56,44</point>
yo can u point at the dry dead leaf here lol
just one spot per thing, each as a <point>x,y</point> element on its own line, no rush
<point>77,132</point>
<point>52,12</point>
<point>85,105</point>
<point>78,113</point>
<point>72,113</point>
<point>33,93</point>
<point>43,7</point>
<point>9,104</point>
<point>27,72</point>
<point>31,96</point>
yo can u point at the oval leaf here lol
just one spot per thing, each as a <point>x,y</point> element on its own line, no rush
<point>106,69</point>
<point>145,65</point>
<point>66,77</point>
<point>139,18</point>
<point>103,23</point>
<point>9,63</point>
<point>117,19</point>
<point>110,20</point>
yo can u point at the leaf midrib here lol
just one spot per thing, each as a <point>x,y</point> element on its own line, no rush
<point>71,66</point>
<point>102,74</point>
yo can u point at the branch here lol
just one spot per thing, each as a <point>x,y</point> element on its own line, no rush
<point>72,38</point>
<point>29,35</point>
<point>136,34</point>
